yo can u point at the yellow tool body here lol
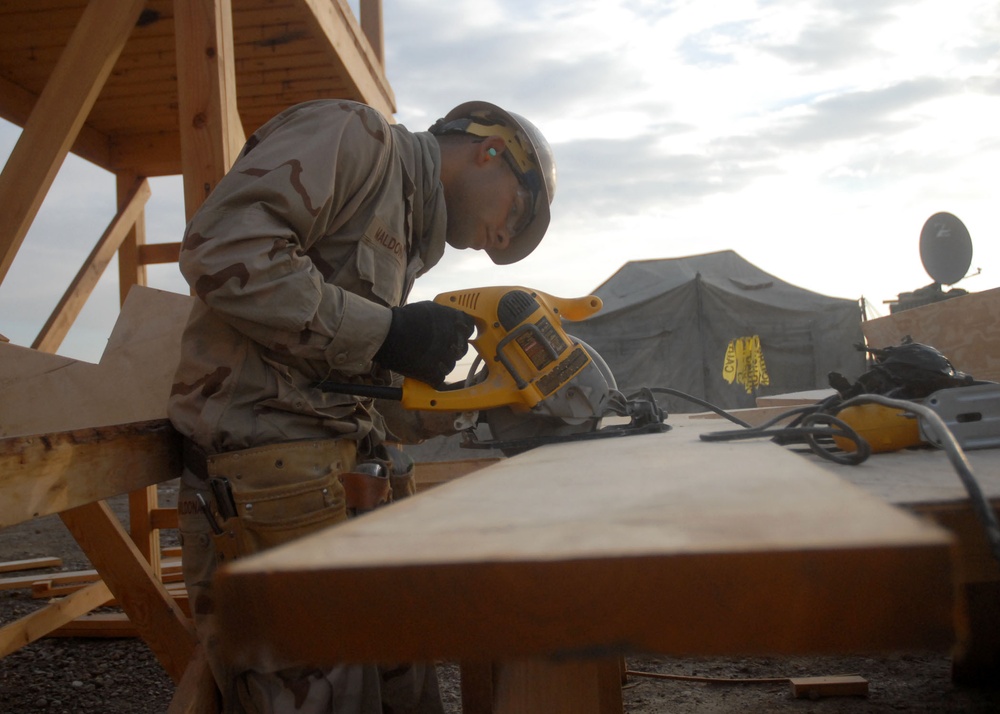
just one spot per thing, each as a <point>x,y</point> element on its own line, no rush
<point>884,428</point>
<point>519,336</point>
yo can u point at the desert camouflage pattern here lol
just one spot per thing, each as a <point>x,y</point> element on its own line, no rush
<point>325,220</point>
<point>321,226</point>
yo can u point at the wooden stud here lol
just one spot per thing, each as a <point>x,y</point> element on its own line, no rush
<point>158,619</point>
<point>29,564</point>
<point>130,270</point>
<point>211,133</point>
<point>39,623</point>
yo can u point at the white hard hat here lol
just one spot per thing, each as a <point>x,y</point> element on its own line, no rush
<point>531,158</point>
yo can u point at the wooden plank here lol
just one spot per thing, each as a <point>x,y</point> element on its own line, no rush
<point>40,475</point>
<point>29,564</point>
<point>158,619</point>
<point>105,624</point>
<point>434,473</point>
<point>58,116</point>
<point>795,399</point>
<point>154,253</point>
<point>59,584</point>
<point>39,623</point>
<point>660,543</point>
<point>966,329</point>
<point>114,624</point>
<point>27,581</point>
<point>817,687</point>
<point>130,270</point>
<point>69,306</point>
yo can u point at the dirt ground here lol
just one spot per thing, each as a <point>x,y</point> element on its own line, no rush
<point>121,676</point>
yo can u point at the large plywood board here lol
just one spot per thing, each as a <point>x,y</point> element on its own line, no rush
<point>658,543</point>
<point>966,329</point>
<point>42,393</point>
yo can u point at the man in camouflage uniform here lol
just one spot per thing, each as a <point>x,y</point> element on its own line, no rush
<point>302,259</point>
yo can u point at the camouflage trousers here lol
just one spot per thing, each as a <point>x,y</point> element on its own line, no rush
<point>345,689</point>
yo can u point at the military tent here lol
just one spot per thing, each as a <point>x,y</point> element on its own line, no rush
<point>719,328</point>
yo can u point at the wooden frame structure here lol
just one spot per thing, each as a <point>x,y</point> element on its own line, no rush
<point>146,88</point>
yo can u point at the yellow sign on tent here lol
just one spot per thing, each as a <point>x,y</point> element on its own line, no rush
<point>744,363</point>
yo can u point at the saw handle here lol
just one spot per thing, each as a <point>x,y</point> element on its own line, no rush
<point>575,308</point>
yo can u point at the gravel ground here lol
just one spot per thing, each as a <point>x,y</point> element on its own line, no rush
<point>121,676</point>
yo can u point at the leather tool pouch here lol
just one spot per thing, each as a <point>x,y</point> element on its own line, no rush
<point>278,493</point>
<point>401,474</point>
<point>367,487</point>
<point>378,481</point>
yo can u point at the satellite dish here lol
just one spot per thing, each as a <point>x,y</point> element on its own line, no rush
<point>945,248</point>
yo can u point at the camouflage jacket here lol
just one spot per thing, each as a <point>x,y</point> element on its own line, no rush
<point>323,223</point>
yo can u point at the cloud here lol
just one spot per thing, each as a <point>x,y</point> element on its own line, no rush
<point>836,35</point>
<point>678,126</point>
<point>859,115</point>
<point>604,178</point>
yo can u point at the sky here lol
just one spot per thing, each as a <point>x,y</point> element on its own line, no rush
<point>812,137</point>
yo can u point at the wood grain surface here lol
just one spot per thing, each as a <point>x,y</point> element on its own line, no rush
<point>659,543</point>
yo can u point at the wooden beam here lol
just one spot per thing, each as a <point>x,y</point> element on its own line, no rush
<point>371,24</point>
<point>66,311</point>
<point>41,622</point>
<point>211,132</point>
<point>362,66</point>
<point>90,144</point>
<point>28,581</point>
<point>58,116</point>
<point>29,564</point>
<point>156,253</point>
<point>48,473</point>
<point>105,624</point>
<point>158,619</point>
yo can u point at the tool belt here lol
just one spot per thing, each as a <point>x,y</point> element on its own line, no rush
<point>269,495</point>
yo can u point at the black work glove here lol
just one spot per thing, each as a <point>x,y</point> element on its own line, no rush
<point>425,341</point>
